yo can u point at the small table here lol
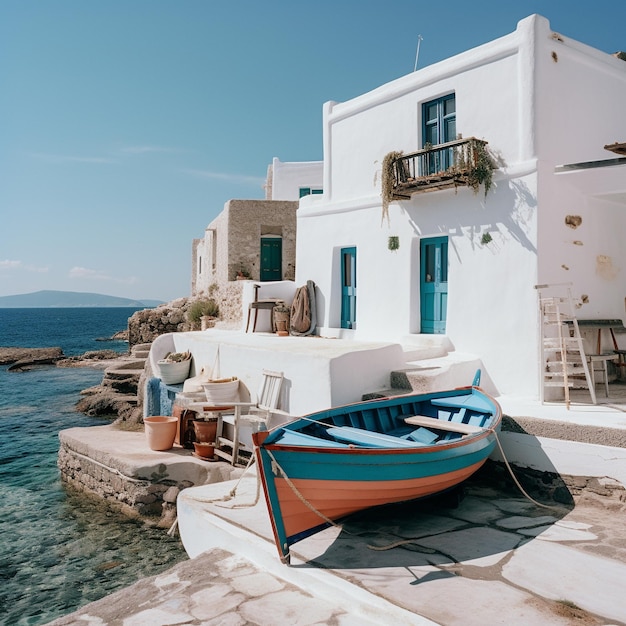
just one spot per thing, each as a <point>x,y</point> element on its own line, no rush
<point>592,359</point>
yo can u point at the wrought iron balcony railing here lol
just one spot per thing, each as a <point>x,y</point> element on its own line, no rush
<point>460,162</point>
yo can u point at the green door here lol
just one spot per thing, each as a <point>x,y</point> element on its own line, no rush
<point>434,285</point>
<point>348,288</point>
<point>271,258</point>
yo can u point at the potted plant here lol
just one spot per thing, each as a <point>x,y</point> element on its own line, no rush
<point>282,314</point>
<point>243,274</point>
<point>174,368</point>
<point>203,313</point>
<point>205,431</point>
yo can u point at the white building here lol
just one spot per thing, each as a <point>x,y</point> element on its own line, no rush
<point>457,268</point>
<point>293,180</point>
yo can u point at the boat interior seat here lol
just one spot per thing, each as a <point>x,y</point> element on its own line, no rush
<point>469,401</point>
<point>296,438</point>
<point>422,435</point>
<point>369,439</point>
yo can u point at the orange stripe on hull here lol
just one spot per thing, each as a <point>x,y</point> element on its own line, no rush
<point>337,498</point>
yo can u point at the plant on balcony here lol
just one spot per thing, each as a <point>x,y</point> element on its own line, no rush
<point>481,171</point>
<point>388,181</point>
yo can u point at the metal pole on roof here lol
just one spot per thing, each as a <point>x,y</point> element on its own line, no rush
<point>417,54</point>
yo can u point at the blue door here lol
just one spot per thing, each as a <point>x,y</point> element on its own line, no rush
<point>434,285</point>
<point>348,288</point>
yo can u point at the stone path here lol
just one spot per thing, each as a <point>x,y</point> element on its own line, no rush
<point>496,558</point>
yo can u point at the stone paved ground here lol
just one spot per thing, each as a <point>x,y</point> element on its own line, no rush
<point>493,558</point>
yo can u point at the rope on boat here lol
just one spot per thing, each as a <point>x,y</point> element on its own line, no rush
<point>396,544</point>
<point>278,470</point>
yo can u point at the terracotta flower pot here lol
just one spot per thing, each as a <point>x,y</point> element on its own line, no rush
<point>160,431</point>
<point>205,431</point>
<point>204,450</point>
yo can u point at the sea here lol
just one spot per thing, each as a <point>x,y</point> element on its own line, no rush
<point>60,549</point>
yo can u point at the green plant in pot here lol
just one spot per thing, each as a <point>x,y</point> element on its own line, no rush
<point>203,313</point>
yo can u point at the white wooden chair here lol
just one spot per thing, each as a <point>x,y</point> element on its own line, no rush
<point>249,417</point>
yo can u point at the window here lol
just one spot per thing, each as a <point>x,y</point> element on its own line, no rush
<point>439,120</point>
<point>439,126</point>
<point>310,191</point>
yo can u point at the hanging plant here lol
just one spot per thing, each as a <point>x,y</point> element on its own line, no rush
<point>388,180</point>
<point>481,172</point>
<point>393,243</point>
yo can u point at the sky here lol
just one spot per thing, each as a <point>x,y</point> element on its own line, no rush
<point>125,125</point>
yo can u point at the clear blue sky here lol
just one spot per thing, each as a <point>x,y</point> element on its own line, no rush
<point>125,125</point>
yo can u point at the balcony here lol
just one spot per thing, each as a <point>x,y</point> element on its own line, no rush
<point>464,162</point>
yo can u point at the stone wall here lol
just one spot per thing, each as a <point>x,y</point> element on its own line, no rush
<point>145,326</point>
<point>152,499</point>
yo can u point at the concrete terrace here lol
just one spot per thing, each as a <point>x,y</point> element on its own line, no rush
<point>497,556</point>
<point>498,551</point>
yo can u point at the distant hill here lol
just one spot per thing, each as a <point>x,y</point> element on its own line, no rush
<point>54,299</point>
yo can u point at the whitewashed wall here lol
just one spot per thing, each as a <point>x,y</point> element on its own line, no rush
<point>289,177</point>
<point>506,94</point>
<point>574,128</point>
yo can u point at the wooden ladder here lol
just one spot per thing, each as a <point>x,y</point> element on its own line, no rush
<point>563,360</point>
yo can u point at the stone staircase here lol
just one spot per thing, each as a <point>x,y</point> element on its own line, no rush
<point>431,365</point>
<point>122,378</point>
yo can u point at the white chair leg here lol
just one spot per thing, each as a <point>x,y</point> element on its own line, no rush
<point>236,435</point>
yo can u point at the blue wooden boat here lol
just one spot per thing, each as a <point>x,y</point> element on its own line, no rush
<point>330,464</point>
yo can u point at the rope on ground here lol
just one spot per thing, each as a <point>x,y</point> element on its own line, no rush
<point>173,528</point>
<point>113,470</point>
<point>515,480</point>
<point>233,492</point>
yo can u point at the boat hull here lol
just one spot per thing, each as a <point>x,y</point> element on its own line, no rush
<point>309,487</point>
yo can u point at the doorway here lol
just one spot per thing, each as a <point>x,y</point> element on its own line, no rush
<point>348,288</point>
<point>433,285</point>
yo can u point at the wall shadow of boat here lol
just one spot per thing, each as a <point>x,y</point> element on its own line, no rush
<point>459,532</point>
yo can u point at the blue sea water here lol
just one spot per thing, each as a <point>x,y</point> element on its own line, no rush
<point>60,549</point>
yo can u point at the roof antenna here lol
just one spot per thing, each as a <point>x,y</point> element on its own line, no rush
<point>417,54</point>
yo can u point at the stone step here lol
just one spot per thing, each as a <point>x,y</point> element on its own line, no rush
<point>123,373</point>
<point>437,374</point>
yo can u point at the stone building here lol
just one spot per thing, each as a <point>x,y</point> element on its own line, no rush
<point>253,239</point>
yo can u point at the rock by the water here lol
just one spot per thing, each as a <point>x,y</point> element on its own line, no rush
<point>99,359</point>
<point>21,359</point>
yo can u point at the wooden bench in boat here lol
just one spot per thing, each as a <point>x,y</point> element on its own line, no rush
<point>296,438</point>
<point>366,438</point>
<point>433,422</point>
<point>470,402</point>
